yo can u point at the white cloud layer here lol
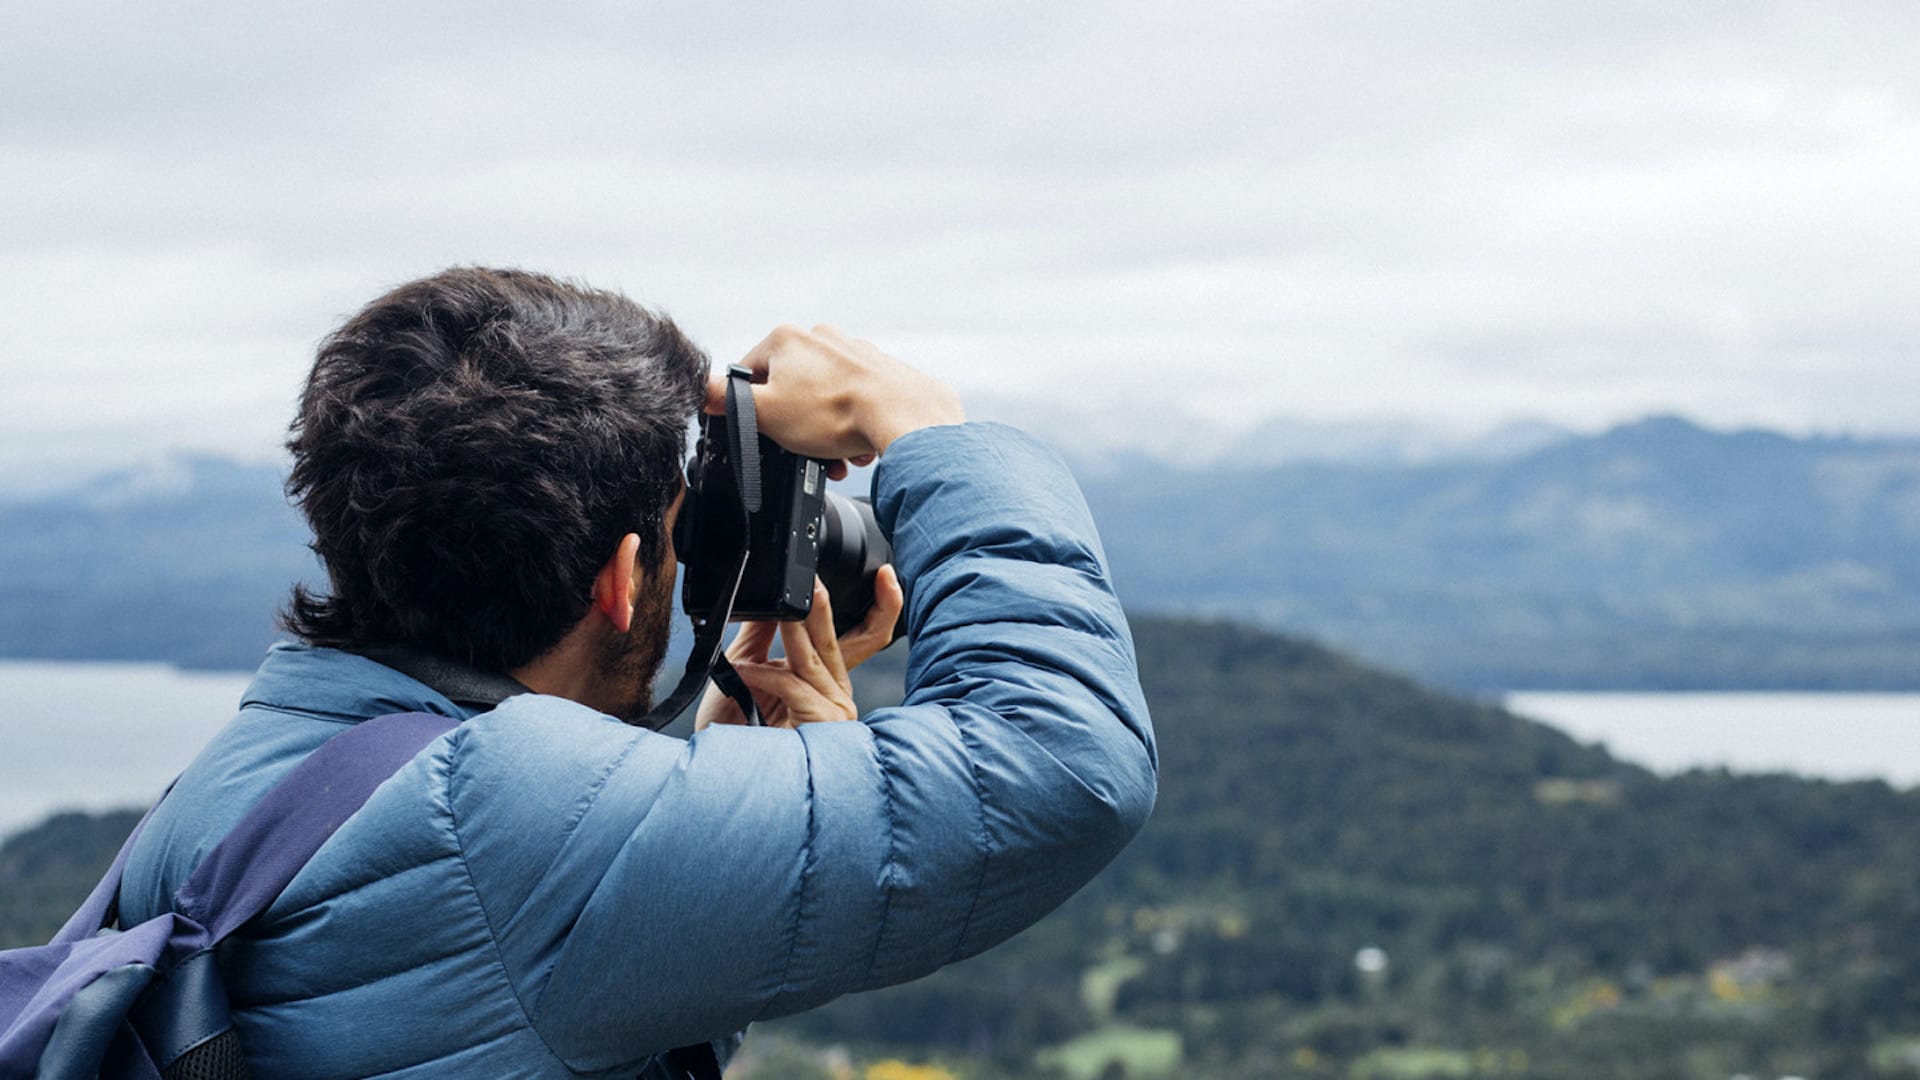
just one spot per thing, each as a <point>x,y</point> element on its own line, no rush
<point>1230,210</point>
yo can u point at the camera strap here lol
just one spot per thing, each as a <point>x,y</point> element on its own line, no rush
<point>707,660</point>
<point>743,436</point>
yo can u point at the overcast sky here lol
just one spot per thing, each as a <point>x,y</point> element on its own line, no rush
<point>1175,215</point>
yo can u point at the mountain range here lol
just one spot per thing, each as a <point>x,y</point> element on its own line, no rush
<point>1659,555</point>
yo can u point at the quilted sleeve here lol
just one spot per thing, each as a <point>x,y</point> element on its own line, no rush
<point>764,872</point>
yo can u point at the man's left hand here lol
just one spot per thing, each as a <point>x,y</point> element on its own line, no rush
<point>810,683</point>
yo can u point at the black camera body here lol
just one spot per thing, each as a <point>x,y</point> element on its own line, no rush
<point>755,528</point>
<point>798,530</point>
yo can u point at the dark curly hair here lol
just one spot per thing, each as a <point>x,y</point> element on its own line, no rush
<point>469,450</point>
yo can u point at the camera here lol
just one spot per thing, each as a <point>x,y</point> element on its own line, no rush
<point>794,530</point>
<point>756,526</point>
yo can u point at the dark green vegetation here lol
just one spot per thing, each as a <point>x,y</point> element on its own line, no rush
<point>46,871</point>
<point>1658,555</point>
<point>1542,910</point>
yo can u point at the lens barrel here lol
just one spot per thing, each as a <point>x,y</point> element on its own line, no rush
<point>852,550</point>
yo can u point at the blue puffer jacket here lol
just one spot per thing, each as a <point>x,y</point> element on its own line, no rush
<point>548,892</point>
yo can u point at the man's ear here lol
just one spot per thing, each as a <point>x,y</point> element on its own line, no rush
<point>618,584</point>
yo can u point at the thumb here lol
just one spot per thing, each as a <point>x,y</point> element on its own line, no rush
<point>716,402</point>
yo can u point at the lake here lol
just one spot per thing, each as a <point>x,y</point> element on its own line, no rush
<point>1837,736</point>
<point>99,736</point>
<point>102,735</point>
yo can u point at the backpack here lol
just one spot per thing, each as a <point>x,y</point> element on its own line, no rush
<point>146,1002</point>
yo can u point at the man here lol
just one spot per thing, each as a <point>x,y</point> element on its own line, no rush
<point>490,462</point>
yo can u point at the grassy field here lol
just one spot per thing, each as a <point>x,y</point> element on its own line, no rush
<point>1142,1052</point>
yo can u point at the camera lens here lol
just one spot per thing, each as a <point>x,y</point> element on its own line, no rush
<point>852,550</point>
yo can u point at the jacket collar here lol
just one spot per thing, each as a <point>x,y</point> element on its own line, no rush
<point>342,686</point>
<point>462,684</point>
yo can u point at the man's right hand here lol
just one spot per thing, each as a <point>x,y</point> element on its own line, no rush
<point>826,395</point>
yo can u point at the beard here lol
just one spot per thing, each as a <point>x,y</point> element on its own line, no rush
<point>629,662</point>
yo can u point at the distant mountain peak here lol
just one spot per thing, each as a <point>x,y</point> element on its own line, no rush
<point>1660,424</point>
<point>1107,440</point>
<point>171,477</point>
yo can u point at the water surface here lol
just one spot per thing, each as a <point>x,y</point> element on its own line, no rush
<point>1836,736</point>
<point>99,736</point>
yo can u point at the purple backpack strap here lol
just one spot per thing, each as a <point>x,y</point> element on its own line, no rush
<point>98,910</point>
<point>248,870</point>
<point>88,997</point>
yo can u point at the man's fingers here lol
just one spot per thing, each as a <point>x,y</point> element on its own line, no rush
<point>875,631</point>
<point>752,642</point>
<point>758,360</point>
<point>825,642</point>
<point>804,703</point>
<point>770,683</point>
<point>803,656</point>
<point>828,395</point>
<point>716,708</point>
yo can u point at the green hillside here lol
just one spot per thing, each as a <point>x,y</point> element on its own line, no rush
<point>1518,904</point>
<point>1543,910</point>
<point>46,871</point>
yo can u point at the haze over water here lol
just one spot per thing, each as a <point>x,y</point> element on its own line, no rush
<point>102,736</point>
<point>1835,736</point>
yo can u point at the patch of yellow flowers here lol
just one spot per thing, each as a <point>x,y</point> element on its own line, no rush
<point>892,1069</point>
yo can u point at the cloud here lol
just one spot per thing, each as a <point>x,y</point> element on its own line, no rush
<point>1239,209</point>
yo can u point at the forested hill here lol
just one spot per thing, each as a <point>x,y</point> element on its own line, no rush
<point>1657,555</point>
<point>1534,899</point>
<point>1530,897</point>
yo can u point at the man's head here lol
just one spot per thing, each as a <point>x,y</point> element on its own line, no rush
<point>471,450</point>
